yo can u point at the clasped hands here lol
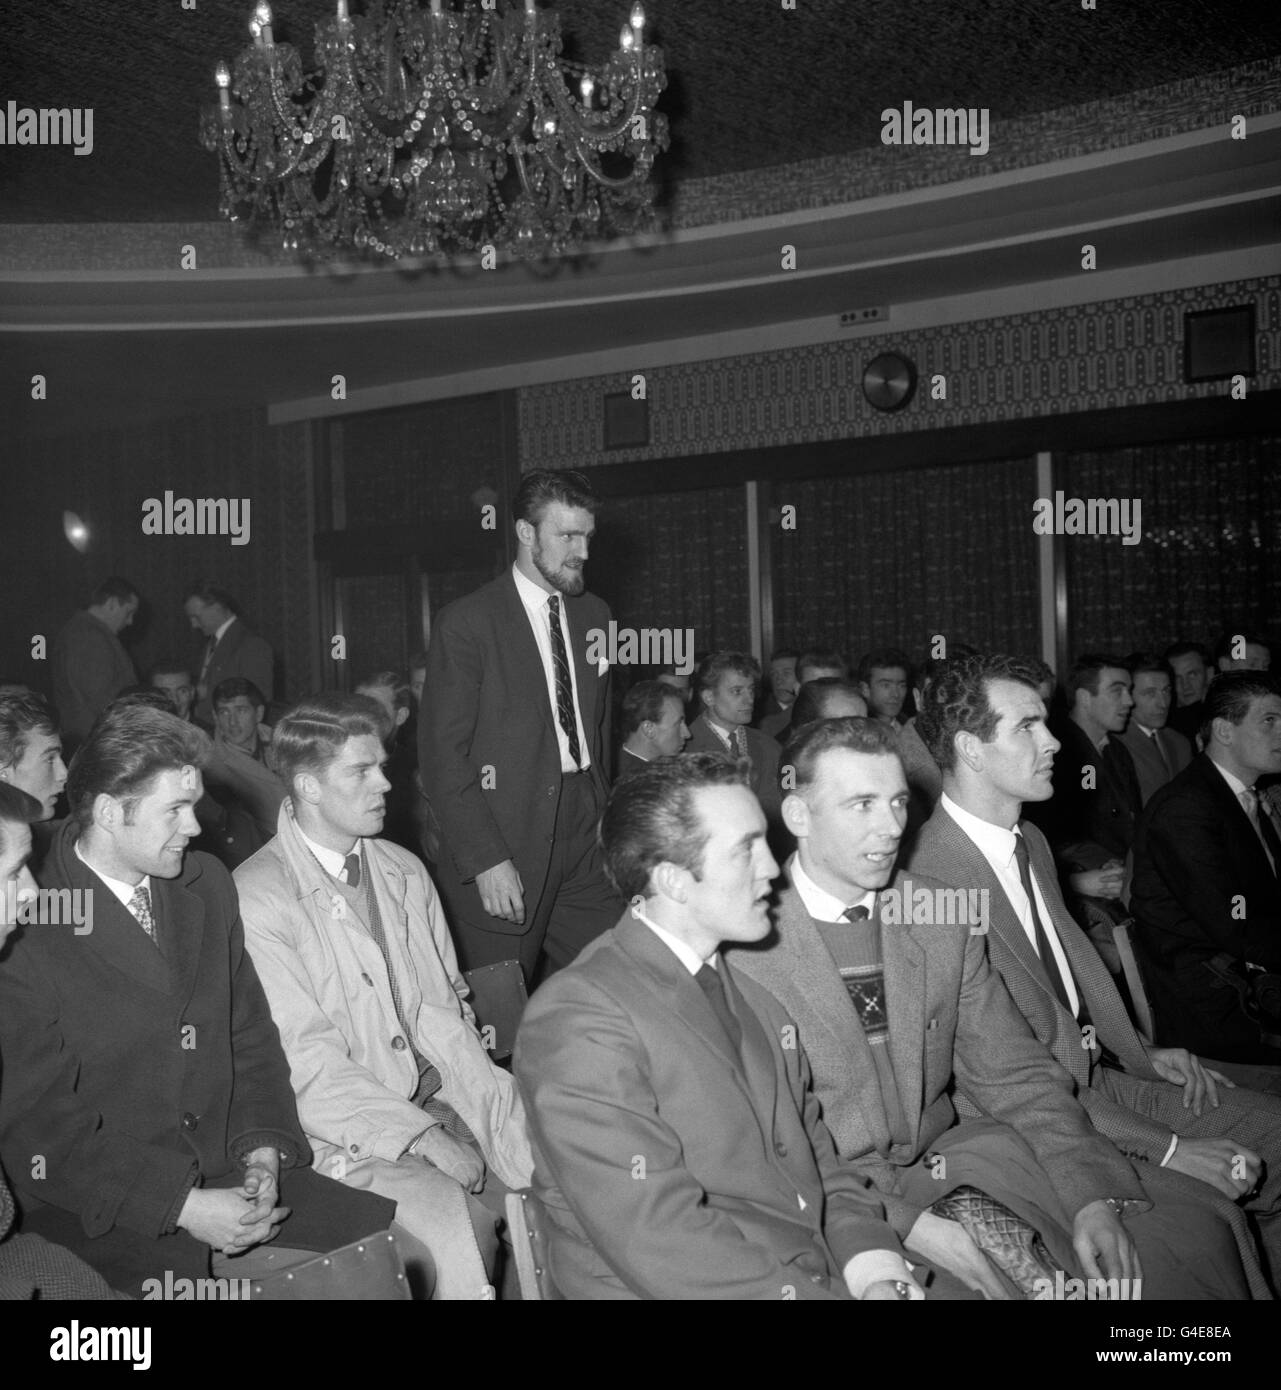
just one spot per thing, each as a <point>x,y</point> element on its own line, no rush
<point>235,1219</point>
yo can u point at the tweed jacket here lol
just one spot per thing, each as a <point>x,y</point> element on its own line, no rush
<point>951,1024</point>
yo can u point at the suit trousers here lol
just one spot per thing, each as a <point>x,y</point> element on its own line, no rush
<point>1250,1118</point>
<point>576,904</point>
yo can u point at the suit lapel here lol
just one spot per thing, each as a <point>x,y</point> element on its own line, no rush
<point>758,1055</point>
<point>181,915</point>
<point>905,993</point>
<point>1234,813</point>
<point>117,935</point>
<point>524,646</point>
<point>675,986</point>
<point>822,998</point>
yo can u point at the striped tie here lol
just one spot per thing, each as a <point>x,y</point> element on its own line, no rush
<point>564,688</point>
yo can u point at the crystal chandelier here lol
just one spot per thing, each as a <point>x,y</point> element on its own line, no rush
<point>442,130</point>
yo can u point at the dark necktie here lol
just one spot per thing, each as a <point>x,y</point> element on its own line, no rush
<point>564,686</point>
<point>1048,961</point>
<point>1256,808</point>
<point>710,982</point>
<point>857,913</point>
<point>1162,754</point>
<point>429,1078</point>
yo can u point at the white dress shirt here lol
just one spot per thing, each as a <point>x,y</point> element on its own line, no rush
<point>996,844</point>
<point>539,615</point>
<point>687,956</point>
<point>330,860</point>
<point>819,903</point>
<point>124,891</point>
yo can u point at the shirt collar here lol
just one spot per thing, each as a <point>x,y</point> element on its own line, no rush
<point>124,891</point>
<point>534,598</point>
<point>330,860</point>
<point>996,842</point>
<point>1233,781</point>
<point>819,903</point>
<point>218,635</point>
<point>687,956</point>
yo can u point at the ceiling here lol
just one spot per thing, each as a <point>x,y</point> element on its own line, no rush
<point>129,345</point>
<point>750,83</point>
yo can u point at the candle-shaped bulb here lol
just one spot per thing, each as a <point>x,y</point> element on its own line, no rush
<point>222,76</point>
<point>530,7</point>
<point>342,12</point>
<point>627,39</point>
<point>262,13</point>
<point>587,86</point>
<point>638,16</point>
<point>435,7</point>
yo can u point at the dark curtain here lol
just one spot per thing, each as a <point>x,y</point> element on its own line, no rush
<point>1210,555</point>
<point>676,560</point>
<point>897,558</point>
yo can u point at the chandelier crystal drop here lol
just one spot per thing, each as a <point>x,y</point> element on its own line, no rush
<point>436,130</point>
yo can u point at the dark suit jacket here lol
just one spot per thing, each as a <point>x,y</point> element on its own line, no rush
<point>763,751</point>
<point>1089,827</point>
<point>945,851</point>
<point>951,1022</point>
<point>90,668</point>
<point>135,1070</point>
<point>485,705</point>
<point>239,652</point>
<point>1147,760</point>
<point>1203,885</point>
<point>670,1167</point>
<point>629,764</point>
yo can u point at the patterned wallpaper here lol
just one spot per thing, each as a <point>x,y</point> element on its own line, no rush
<point>1131,118</point>
<point>1116,352</point>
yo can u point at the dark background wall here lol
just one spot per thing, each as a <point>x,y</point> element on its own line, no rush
<point>105,478</point>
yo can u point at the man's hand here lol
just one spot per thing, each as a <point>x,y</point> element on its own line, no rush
<point>1179,1065</point>
<point>217,1218</point>
<point>885,1289</point>
<point>947,1244</point>
<point>502,892</point>
<point>1098,883</point>
<point>1215,1161</point>
<point>459,1160</point>
<point>1103,1245</point>
<point>261,1186</point>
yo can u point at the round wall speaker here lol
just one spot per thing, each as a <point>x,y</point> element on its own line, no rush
<point>889,381</point>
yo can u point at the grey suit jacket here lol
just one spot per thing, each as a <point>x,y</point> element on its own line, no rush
<point>239,652</point>
<point>1147,760</point>
<point>945,851</point>
<point>670,1166</point>
<point>761,748</point>
<point>951,1021</point>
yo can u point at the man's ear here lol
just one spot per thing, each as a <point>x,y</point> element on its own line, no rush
<point>107,811</point>
<point>796,815</point>
<point>1221,731</point>
<point>401,716</point>
<point>865,690</point>
<point>648,728</point>
<point>306,787</point>
<point>968,748</point>
<point>259,713</point>
<point>670,881</point>
<point>525,533</point>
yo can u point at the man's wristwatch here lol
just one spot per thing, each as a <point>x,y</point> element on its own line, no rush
<point>902,1288</point>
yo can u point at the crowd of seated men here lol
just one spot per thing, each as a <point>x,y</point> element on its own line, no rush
<point>259,1047</point>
